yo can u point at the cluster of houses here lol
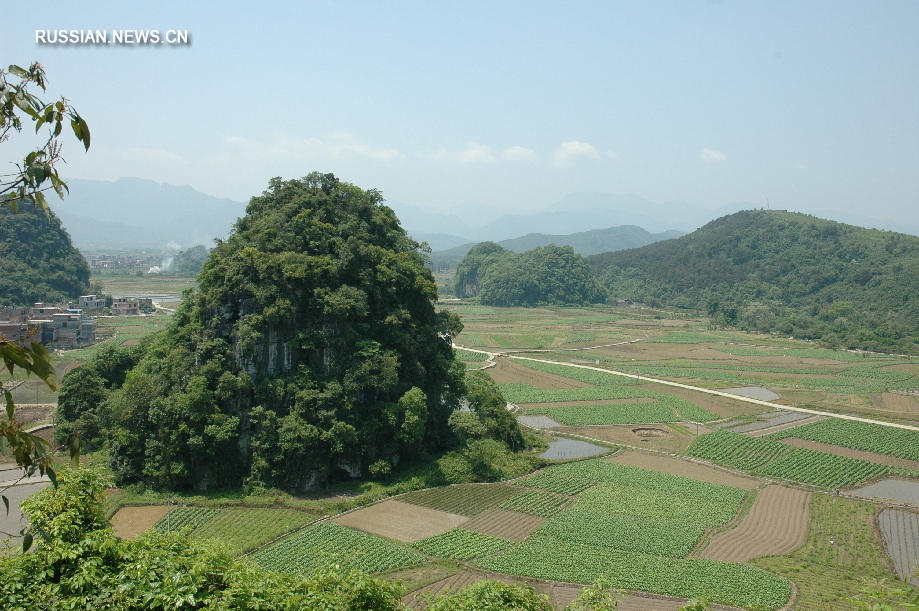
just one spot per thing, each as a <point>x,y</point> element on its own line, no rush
<point>63,327</point>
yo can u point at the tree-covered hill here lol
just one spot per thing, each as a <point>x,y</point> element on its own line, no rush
<point>553,275</point>
<point>311,350</point>
<point>584,243</point>
<point>777,271</point>
<point>39,262</point>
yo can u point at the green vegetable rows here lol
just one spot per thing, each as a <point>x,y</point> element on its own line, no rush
<point>461,544</point>
<point>184,518</point>
<point>859,436</point>
<point>535,503</point>
<point>326,544</point>
<point>735,450</point>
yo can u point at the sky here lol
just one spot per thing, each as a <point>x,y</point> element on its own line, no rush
<point>502,106</point>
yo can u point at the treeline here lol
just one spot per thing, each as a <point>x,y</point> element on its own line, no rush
<point>782,272</point>
<point>551,275</point>
<point>38,260</point>
<point>310,352</point>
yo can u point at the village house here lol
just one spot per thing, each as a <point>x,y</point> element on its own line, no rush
<point>92,304</point>
<point>125,306</point>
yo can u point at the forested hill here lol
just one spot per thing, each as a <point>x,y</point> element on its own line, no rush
<point>37,259</point>
<point>584,243</point>
<point>782,272</point>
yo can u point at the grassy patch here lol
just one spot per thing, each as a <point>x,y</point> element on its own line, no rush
<point>243,530</point>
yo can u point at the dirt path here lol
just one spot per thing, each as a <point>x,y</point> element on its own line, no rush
<point>710,391</point>
<point>776,525</point>
<point>884,459</point>
<point>683,468</point>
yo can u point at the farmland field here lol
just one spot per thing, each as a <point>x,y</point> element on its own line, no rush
<point>461,544</point>
<point>464,499</point>
<point>244,529</point>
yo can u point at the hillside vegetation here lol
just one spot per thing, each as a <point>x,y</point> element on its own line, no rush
<point>38,260</point>
<point>584,243</point>
<point>553,275</point>
<point>783,272</point>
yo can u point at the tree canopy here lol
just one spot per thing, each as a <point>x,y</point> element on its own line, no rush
<point>782,272</point>
<point>551,275</point>
<point>39,262</point>
<point>311,350</point>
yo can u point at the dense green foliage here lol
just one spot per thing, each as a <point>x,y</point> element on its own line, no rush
<point>310,351</point>
<point>190,261</point>
<point>551,275</point>
<point>775,271</point>
<point>38,260</point>
<point>492,596</point>
<point>80,564</point>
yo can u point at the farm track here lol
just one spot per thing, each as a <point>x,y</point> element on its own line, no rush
<point>776,525</point>
<point>704,390</point>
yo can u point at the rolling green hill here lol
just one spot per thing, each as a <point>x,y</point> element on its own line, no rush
<point>39,262</point>
<point>584,243</point>
<point>783,272</point>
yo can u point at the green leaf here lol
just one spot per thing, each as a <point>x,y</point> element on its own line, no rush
<point>18,71</point>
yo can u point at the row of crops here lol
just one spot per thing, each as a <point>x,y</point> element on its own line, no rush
<point>772,458</point>
<point>461,544</point>
<point>864,436</point>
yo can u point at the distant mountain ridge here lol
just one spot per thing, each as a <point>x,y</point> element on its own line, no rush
<point>784,272</point>
<point>139,213</point>
<point>584,243</point>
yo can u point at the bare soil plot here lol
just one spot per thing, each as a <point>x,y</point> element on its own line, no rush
<point>900,530</point>
<point>505,524</point>
<point>128,522</point>
<point>683,468</point>
<point>665,439</point>
<point>894,489</point>
<point>776,525</point>
<point>850,453</point>
<point>896,404</point>
<point>401,521</point>
<point>506,371</point>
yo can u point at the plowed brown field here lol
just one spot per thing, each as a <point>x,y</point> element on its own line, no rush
<point>401,521</point>
<point>776,525</point>
<point>128,522</point>
<point>683,468</point>
<point>506,372</point>
<point>505,524</point>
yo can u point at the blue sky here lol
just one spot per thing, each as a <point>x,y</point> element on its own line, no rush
<point>504,105</point>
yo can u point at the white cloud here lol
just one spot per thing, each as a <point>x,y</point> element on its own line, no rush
<point>473,153</point>
<point>712,156</point>
<point>573,149</point>
<point>519,153</point>
<point>338,145</point>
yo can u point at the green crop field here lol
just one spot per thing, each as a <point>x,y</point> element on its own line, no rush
<point>555,482</point>
<point>731,584</point>
<point>536,503</point>
<point>822,469</point>
<point>323,545</point>
<point>464,499</point>
<point>471,357</point>
<point>183,519</point>
<point>243,530</point>
<point>460,544</point>
<point>638,413</point>
<point>859,436</point>
<point>736,450</point>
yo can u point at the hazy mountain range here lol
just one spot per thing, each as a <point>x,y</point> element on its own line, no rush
<point>132,213</point>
